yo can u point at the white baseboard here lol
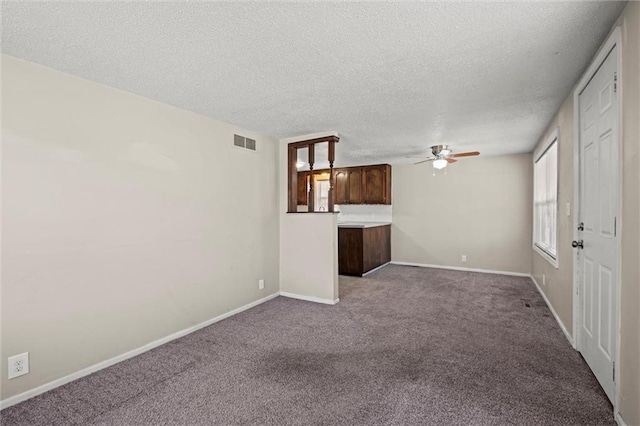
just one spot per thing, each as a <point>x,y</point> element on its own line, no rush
<point>107,363</point>
<point>309,298</point>
<point>555,315</point>
<point>458,268</point>
<point>619,420</point>
<point>375,269</point>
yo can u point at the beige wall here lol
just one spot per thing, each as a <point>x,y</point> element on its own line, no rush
<point>481,208</point>
<point>124,220</point>
<point>308,256</point>
<point>559,282</point>
<point>308,244</point>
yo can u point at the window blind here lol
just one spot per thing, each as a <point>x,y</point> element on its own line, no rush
<point>545,200</point>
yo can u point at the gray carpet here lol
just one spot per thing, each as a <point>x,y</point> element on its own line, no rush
<point>404,346</point>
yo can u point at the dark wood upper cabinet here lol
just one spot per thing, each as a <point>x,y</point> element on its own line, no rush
<point>375,184</point>
<point>356,175</point>
<point>303,187</point>
<point>353,185</point>
<point>340,186</point>
<point>363,185</point>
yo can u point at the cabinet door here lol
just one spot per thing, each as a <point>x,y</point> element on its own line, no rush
<point>340,186</point>
<point>355,185</point>
<point>375,185</point>
<point>350,251</point>
<point>376,247</point>
<point>303,182</point>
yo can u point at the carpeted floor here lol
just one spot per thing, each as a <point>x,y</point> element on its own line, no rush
<point>404,346</point>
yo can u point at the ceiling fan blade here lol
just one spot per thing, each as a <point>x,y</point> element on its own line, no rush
<point>451,160</point>
<point>424,161</point>
<point>418,156</point>
<point>466,154</point>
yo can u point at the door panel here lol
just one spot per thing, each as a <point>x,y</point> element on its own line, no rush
<point>374,185</point>
<point>587,299</point>
<point>598,209</point>
<point>355,186</point>
<point>607,195</point>
<point>589,197</point>
<point>604,299</point>
<point>340,186</point>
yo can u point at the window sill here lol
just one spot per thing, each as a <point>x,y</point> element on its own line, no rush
<point>546,256</point>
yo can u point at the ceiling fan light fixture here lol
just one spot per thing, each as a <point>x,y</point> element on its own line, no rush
<point>300,164</point>
<point>440,163</point>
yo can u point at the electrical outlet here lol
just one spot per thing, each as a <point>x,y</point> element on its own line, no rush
<point>464,257</point>
<point>260,284</point>
<point>18,365</point>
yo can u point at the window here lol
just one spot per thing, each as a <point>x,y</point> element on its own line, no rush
<point>545,200</point>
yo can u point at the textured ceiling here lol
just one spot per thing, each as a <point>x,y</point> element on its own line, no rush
<point>392,79</point>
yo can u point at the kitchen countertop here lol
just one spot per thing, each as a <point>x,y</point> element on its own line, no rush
<point>362,224</point>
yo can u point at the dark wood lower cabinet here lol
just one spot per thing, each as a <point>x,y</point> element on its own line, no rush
<point>363,249</point>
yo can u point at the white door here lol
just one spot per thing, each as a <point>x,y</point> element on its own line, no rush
<point>598,212</point>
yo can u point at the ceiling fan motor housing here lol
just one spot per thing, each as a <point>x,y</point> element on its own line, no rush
<point>443,152</point>
<point>440,150</point>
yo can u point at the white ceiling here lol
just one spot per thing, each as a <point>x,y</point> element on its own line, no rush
<point>392,79</point>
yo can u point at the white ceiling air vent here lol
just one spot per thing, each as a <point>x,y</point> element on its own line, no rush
<point>242,142</point>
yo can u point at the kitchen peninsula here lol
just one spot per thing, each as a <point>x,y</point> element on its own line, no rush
<point>363,246</point>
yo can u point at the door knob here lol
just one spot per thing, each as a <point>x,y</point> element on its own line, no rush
<point>578,244</point>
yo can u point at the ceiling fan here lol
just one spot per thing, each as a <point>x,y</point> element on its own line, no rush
<point>442,155</point>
